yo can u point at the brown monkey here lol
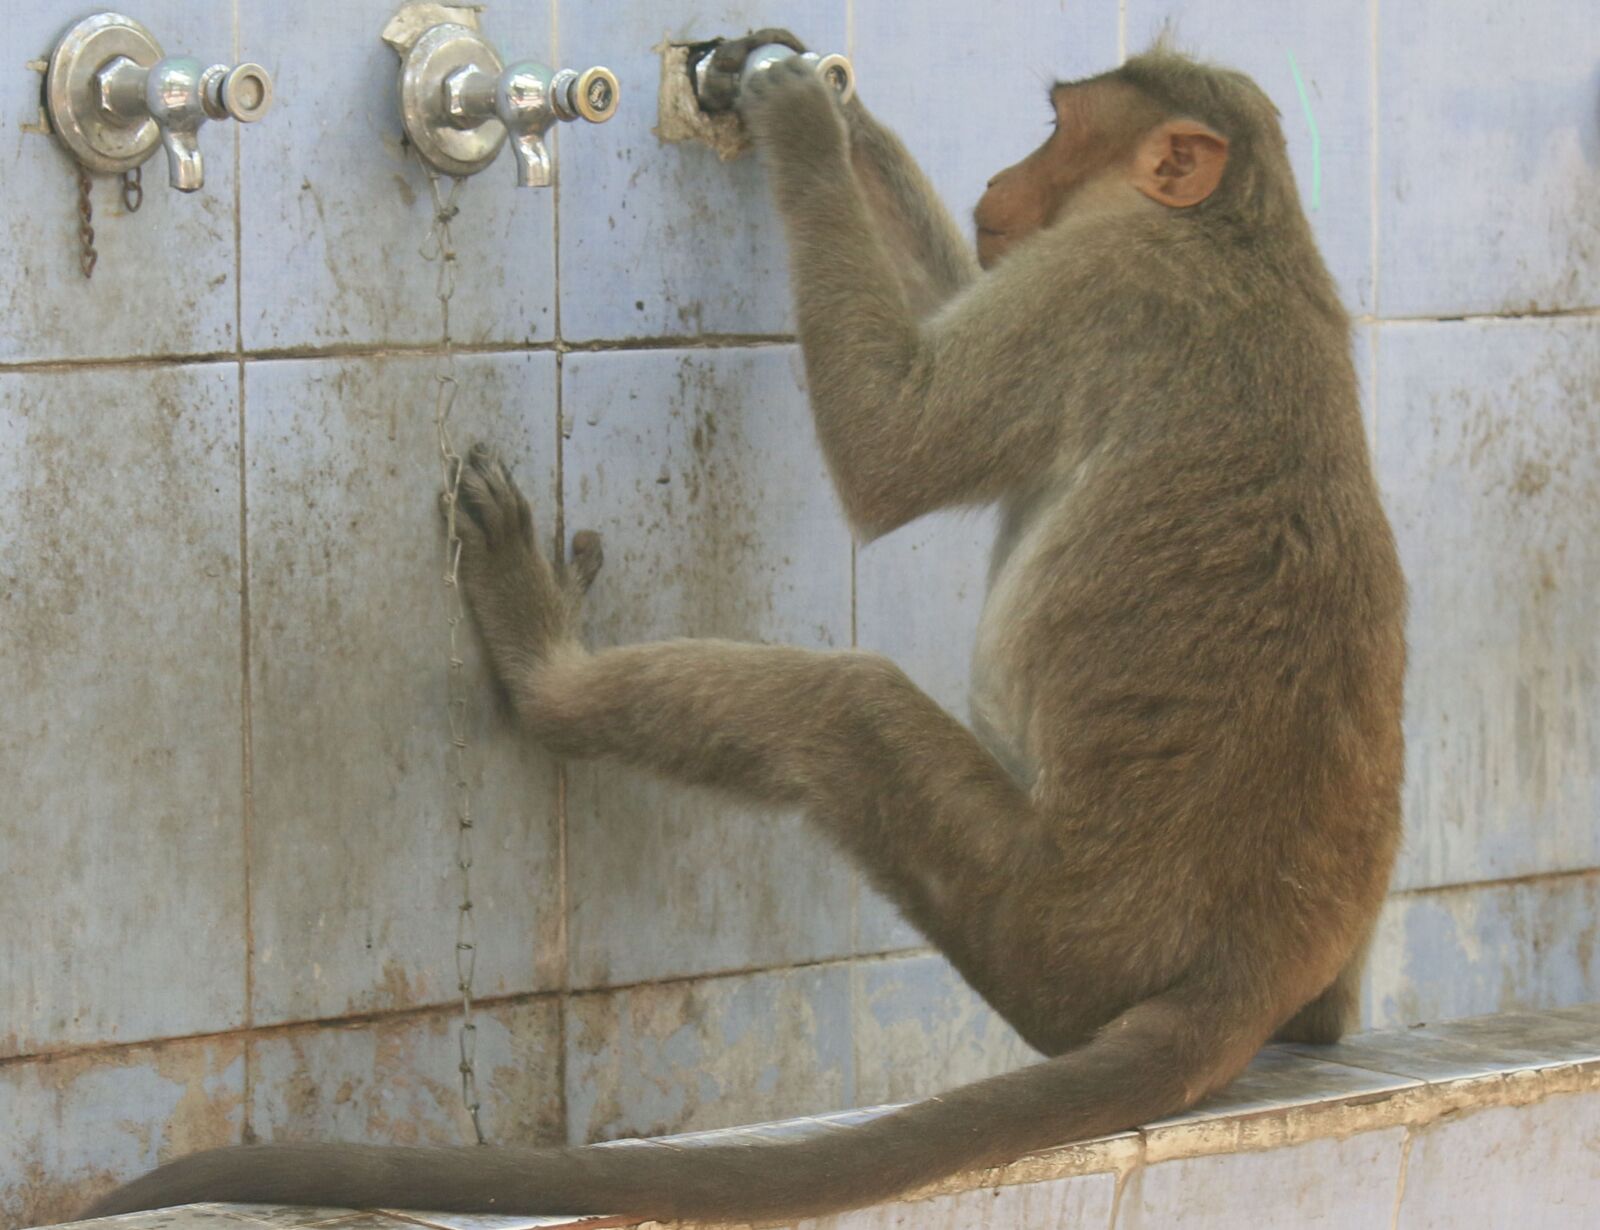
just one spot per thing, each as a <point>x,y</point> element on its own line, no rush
<point>1171,827</point>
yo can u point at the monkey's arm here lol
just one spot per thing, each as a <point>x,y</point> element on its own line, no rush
<point>912,416</point>
<point>933,257</point>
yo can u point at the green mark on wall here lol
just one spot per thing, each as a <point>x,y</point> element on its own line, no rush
<point>1316,137</point>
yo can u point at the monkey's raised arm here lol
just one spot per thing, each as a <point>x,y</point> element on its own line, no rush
<point>931,256</point>
<point>912,415</point>
<point>933,259</point>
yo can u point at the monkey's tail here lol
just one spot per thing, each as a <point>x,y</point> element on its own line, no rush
<point>1154,1059</point>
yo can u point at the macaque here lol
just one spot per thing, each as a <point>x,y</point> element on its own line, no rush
<point>1166,834</point>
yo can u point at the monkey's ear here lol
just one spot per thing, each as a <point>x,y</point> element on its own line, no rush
<point>1180,163</point>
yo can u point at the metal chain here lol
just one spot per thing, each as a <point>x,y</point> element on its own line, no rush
<point>133,189</point>
<point>440,248</point>
<point>87,256</point>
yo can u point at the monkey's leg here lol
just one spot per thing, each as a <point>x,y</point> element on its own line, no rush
<point>902,785</point>
<point>522,603</point>
<point>1324,1020</point>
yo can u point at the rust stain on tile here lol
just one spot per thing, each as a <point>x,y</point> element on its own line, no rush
<point>84,1144</point>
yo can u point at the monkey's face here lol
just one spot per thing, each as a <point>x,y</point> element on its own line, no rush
<point>1017,202</point>
<point>1089,138</point>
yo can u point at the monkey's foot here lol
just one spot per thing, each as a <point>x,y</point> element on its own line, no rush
<point>522,604</point>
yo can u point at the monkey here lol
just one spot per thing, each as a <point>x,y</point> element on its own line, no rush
<point>1165,836</point>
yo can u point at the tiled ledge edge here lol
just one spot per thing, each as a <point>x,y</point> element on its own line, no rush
<point>1290,1095</point>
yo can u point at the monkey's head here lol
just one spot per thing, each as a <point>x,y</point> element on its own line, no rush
<point>1161,132</point>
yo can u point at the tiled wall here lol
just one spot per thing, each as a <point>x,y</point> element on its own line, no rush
<point>226,877</point>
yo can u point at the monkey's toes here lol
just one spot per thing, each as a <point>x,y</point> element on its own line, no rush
<point>483,494</point>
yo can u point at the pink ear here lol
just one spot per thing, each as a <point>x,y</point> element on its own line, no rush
<point>1180,163</point>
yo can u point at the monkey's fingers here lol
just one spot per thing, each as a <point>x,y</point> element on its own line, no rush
<point>730,54</point>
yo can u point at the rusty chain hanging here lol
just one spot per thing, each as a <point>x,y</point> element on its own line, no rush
<point>133,189</point>
<point>132,198</point>
<point>440,248</point>
<point>87,256</point>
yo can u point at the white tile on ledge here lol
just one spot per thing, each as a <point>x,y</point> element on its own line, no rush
<point>1082,1202</point>
<point>1277,1078</point>
<point>1348,1184</point>
<point>280,1216</point>
<point>1535,1166</point>
<point>490,1221</point>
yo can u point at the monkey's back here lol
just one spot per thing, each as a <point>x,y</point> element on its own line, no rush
<point>1192,654</point>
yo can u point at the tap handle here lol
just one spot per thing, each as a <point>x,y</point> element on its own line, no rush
<point>242,93</point>
<point>835,69</point>
<point>590,95</point>
<point>721,89</point>
<point>529,98</point>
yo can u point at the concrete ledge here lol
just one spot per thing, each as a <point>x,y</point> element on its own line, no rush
<point>1491,1121</point>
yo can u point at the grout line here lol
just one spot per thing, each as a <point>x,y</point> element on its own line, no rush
<point>1533,877</point>
<point>1125,1177</point>
<point>1507,317</point>
<point>1400,1183</point>
<point>1373,97</point>
<point>1374,342</point>
<point>246,728</point>
<point>384,350</point>
<point>703,341</point>
<point>449,1008</point>
<point>563,900</point>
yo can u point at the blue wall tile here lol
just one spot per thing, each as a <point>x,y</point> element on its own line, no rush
<point>1488,147</point>
<point>1487,451</point>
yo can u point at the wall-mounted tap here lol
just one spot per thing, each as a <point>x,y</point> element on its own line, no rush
<point>112,97</point>
<point>719,90</point>
<point>458,101</point>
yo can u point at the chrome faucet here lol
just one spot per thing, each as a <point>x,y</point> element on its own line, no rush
<point>112,97</point>
<point>528,99</point>
<point>459,102</point>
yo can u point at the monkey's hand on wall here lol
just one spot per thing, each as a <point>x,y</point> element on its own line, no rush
<point>523,605</point>
<point>795,120</point>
